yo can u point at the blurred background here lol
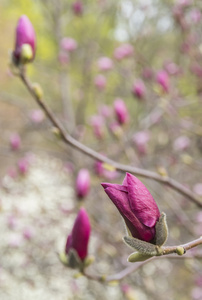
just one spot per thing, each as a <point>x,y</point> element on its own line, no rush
<point>91,56</point>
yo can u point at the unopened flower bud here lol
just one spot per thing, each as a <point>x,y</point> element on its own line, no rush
<point>77,8</point>
<point>79,237</point>
<point>139,89</point>
<point>25,45</point>
<point>105,63</point>
<point>121,111</point>
<point>162,79</point>
<point>82,183</point>
<point>123,51</point>
<point>15,141</point>
<point>68,44</point>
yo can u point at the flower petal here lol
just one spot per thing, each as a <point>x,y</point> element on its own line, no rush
<point>141,201</point>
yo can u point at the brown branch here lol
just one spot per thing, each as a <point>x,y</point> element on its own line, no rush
<point>67,138</point>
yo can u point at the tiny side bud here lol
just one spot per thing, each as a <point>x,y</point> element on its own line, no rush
<point>37,90</point>
<point>180,250</point>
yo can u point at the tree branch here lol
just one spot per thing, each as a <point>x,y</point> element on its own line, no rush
<point>67,138</point>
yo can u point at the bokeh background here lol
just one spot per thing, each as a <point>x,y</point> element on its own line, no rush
<point>163,134</point>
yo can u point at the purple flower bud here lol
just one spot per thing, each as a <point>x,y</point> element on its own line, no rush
<point>77,8</point>
<point>139,89</point>
<point>105,63</point>
<point>121,111</point>
<point>162,79</point>
<point>79,237</point>
<point>15,141</point>
<point>100,82</point>
<point>25,35</point>
<point>136,205</point>
<point>68,44</point>
<point>23,165</point>
<point>123,51</point>
<point>82,183</point>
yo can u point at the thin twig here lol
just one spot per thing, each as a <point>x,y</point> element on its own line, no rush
<point>67,138</point>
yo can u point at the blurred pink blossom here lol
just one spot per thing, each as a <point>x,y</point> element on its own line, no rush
<point>171,68</point>
<point>23,165</point>
<point>195,15</point>
<point>139,89</point>
<point>28,233</point>
<point>105,63</point>
<point>97,123</point>
<point>68,44</point>
<point>77,8</point>
<point>181,143</point>
<point>140,140</point>
<point>100,82</point>
<point>196,293</point>
<point>15,141</point>
<point>121,111</point>
<point>162,79</point>
<point>37,116</point>
<point>123,51</point>
<point>12,222</point>
<point>82,183</point>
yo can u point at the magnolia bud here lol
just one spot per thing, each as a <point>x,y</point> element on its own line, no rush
<point>25,45</point>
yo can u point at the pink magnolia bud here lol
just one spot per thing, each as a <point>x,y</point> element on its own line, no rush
<point>79,237</point>
<point>82,183</point>
<point>23,165</point>
<point>123,51</point>
<point>171,68</point>
<point>77,8</point>
<point>136,205</point>
<point>105,63</point>
<point>100,82</point>
<point>25,35</point>
<point>97,123</point>
<point>121,111</point>
<point>15,141</point>
<point>141,139</point>
<point>162,79</point>
<point>68,44</point>
<point>139,89</point>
